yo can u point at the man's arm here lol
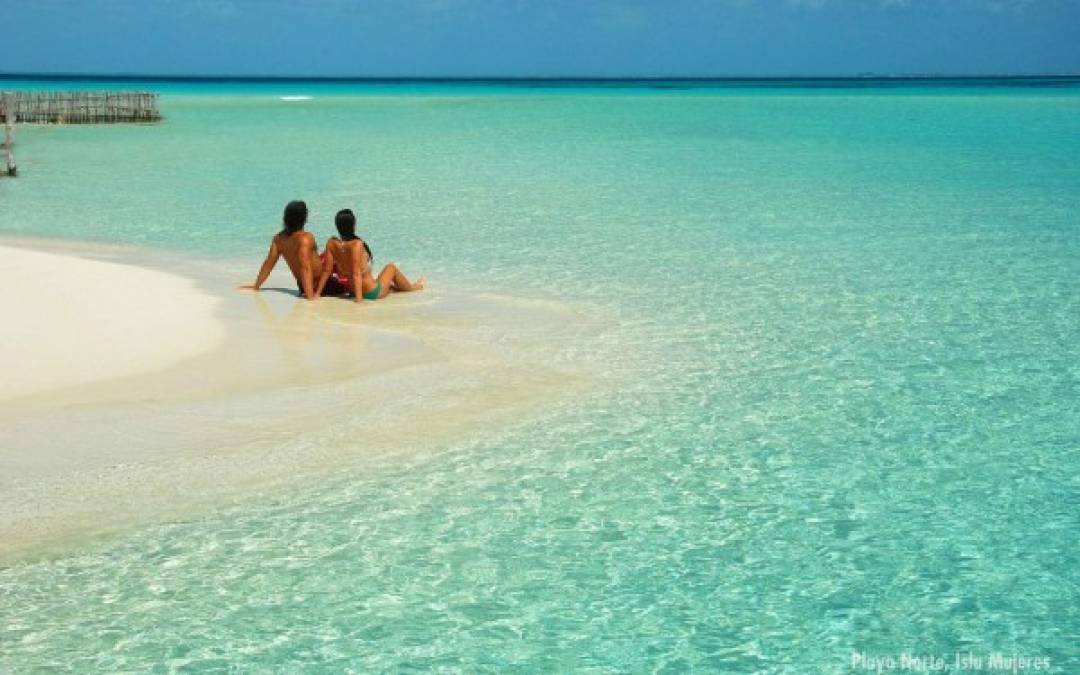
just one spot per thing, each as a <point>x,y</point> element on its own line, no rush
<point>267,266</point>
<point>307,251</point>
<point>327,269</point>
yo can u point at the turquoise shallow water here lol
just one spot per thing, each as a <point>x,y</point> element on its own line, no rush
<point>847,333</point>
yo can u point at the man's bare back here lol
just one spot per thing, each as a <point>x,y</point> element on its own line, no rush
<point>302,256</point>
<point>299,249</point>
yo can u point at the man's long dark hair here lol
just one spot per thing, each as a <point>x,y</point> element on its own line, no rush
<point>295,217</point>
<point>345,221</point>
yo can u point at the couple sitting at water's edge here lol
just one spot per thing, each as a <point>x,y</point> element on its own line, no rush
<point>344,268</point>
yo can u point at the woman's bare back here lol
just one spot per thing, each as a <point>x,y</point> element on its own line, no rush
<point>352,261</point>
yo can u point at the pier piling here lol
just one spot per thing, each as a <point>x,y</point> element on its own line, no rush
<point>6,99</point>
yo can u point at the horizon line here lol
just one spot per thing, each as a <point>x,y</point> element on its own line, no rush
<point>528,78</point>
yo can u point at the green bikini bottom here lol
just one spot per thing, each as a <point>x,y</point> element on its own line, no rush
<point>373,294</point>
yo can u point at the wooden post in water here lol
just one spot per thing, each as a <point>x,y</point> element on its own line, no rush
<point>9,132</point>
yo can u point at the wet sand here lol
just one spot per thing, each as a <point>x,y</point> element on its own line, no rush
<point>243,393</point>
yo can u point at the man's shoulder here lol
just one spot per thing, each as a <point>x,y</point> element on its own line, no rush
<point>305,237</point>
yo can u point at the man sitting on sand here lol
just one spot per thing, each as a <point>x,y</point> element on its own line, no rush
<point>301,253</point>
<point>351,266</point>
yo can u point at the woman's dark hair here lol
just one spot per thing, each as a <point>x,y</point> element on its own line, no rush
<point>295,217</point>
<point>345,221</point>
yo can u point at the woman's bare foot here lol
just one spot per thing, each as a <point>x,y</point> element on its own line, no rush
<point>419,284</point>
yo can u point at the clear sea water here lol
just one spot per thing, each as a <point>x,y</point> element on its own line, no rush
<point>849,324</point>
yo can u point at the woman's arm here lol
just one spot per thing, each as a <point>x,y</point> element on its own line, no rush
<point>267,266</point>
<point>359,266</point>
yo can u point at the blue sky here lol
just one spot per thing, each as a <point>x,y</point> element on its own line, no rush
<point>541,37</point>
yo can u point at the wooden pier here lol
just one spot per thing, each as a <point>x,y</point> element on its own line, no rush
<point>81,107</point>
<point>71,107</point>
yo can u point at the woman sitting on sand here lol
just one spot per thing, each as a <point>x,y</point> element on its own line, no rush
<point>351,266</point>
<point>301,253</point>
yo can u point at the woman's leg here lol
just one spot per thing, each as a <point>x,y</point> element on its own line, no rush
<point>392,279</point>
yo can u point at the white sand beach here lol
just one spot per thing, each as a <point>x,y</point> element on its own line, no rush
<point>134,395</point>
<point>71,321</point>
